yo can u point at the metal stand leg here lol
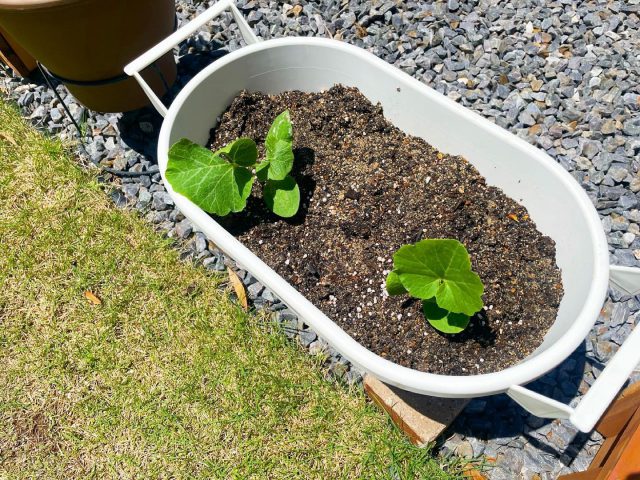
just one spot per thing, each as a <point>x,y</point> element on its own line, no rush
<point>47,79</point>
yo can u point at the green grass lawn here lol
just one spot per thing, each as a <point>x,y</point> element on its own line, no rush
<point>167,378</point>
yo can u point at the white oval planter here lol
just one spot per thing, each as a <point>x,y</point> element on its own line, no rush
<point>554,200</point>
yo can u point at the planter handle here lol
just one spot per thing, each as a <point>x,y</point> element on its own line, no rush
<point>594,403</point>
<point>147,58</point>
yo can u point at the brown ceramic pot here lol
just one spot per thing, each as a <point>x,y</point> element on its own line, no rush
<point>87,43</point>
<point>15,56</point>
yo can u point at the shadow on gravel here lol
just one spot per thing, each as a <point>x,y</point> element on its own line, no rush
<point>500,419</point>
<point>140,129</point>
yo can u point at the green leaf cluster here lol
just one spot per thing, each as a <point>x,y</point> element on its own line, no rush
<point>438,271</point>
<point>220,182</point>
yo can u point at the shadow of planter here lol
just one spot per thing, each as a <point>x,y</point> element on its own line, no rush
<point>140,128</point>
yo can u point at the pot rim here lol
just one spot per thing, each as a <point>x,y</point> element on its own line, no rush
<point>22,5</point>
<point>389,372</point>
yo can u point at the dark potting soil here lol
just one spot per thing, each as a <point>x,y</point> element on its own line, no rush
<point>367,189</point>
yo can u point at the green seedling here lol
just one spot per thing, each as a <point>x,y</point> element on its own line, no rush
<point>438,272</point>
<point>220,182</point>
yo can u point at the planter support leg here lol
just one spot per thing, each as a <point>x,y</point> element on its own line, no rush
<point>47,78</point>
<point>537,404</point>
<point>150,56</point>
<point>593,404</point>
<point>626,279</point>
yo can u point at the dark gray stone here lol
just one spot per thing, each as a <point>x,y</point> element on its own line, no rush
<point>268,295</point>
<point>144,198</point>
<point>632,127</point>
<point>118,198</point>
<point>307,337</point>
<point>628,201</point>
<point>215,262</point>
<point>161,200</point>
<point>254,290</point>
<point>184,229</point>
<point>56,115</point>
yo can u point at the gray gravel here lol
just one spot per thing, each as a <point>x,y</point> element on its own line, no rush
<point>561,74</point>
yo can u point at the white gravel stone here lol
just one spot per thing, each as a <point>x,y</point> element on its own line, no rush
<point>627,239</point>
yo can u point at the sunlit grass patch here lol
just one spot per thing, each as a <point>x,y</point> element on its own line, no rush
<point>166,377</point>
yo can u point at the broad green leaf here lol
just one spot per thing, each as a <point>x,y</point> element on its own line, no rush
<point>394,286</point>
<point>440,268</point>
<point>442,320</point>
<point>282,196</point>
<point>242,152</point>
<point>208,180</point>
<point>278,145</point>
<point>261,170</point>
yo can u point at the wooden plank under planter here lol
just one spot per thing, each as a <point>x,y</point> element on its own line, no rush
<point>422,418</point>
<point>15,56</point>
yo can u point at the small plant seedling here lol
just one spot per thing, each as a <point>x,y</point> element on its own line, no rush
<point>438,272</point>
<point>220,182</point>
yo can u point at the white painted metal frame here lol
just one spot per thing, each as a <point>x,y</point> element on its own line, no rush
<point>510,380</point>
<point>143,61</point>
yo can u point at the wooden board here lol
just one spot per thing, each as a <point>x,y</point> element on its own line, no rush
<point>422,418</point>
<point>619,412</point>
<point>15,56</point>
<point>619,456</point>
